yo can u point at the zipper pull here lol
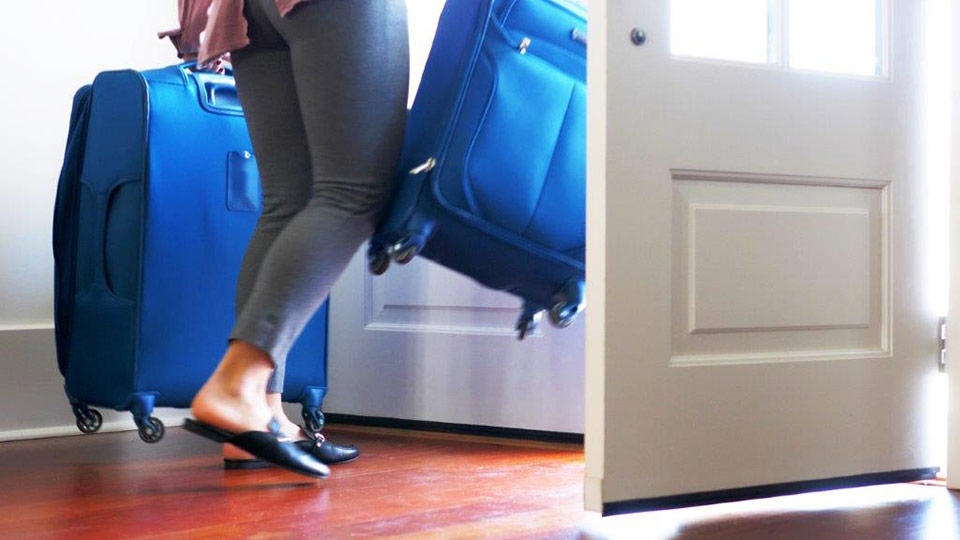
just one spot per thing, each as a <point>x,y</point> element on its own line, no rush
<point>524,45</point>
<point>578,36</point>
<point>426,166</point>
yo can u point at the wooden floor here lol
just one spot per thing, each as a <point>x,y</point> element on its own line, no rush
<point>405,485</point>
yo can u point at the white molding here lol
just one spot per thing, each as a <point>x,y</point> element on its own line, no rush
<point>789,179</point>
<point>374,309</point>
<point>448,329</point>
<point>69,430</point>
<point>701,360</point>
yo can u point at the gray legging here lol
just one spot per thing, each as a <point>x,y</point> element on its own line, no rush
<point>325,93</point>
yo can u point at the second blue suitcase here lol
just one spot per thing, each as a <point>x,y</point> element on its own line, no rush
<point>157,200</point>
<point>496,154</point>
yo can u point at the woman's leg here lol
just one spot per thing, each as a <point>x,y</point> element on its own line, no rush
<point>267,90</point>
<point>265,83</point>
<point>350,69</point>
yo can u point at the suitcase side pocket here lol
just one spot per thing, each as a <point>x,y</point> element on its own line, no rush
<point>100,370</point>
<point>513,152</point>
<point>553,32</point>
<point>109,228</point>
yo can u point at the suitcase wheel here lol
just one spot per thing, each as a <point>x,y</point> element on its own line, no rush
<point>569,304</point>
<point>562,314</point>
<point>377,261</point>
<point>88,420</point>
<point>405,255</point>
<point>150,430</point>
<point>404,250</point>
<point>313,419</point>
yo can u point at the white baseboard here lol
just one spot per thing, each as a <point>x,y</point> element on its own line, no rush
<point>31,390</point>
<point>23,327</point>
<point>169,420</point>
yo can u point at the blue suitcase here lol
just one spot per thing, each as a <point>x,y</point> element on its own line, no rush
<point>157,199</point>
<point>496,154</point>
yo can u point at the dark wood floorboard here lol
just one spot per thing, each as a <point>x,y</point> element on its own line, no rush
<point>405,485</point>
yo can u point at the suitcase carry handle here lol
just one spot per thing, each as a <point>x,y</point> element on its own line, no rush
<point>218,92</point>
<point>219,95</point>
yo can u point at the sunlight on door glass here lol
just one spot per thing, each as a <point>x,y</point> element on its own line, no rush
<point>729,30</point>
<point>838,36</point>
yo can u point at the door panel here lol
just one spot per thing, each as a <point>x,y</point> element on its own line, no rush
<point>757,269</point>
<point>424,343</point>
<point>424,297</point>
<point>765,270</point>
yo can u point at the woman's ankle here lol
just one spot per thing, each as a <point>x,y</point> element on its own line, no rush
<point>233,398</point>
<point>243,371</point>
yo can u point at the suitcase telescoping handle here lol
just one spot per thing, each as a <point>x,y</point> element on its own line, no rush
<point>225,68</point>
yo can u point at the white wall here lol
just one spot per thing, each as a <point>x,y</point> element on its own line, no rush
<point>48,49</point>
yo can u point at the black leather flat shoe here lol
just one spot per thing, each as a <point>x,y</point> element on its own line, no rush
<point>317,446</point>
<point>269,446</point>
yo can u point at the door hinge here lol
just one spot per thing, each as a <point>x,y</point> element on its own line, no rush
<point>943,344</point>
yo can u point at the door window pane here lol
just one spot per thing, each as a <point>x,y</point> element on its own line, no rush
<point>838,36</point>
<point>722,29</point>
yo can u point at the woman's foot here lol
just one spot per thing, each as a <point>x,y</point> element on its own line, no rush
<point>232,399</point>
<point>325,451</point>
<point>232,407</point>
<point>287,426</point>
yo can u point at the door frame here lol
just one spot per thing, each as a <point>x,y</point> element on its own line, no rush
<point>953,329</point>
<point>596,256</point>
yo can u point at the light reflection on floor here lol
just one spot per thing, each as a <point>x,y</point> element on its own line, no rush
<point>923,511</point>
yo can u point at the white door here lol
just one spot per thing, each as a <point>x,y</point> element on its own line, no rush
<point>760,315</point>
<point>424,343</point>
